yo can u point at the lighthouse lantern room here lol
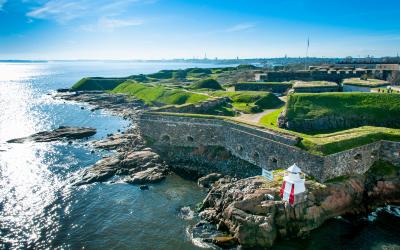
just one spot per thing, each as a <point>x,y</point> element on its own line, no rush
<point>293,188</point>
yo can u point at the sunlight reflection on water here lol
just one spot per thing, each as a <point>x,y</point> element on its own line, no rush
<point>27,186</point>
<point>39,208</point>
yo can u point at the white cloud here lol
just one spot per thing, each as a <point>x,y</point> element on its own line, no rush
<point>240,27</point>
<point>110,24</point>
<point>60,10</point>
<point>66,10</point>
<point>2,2</point>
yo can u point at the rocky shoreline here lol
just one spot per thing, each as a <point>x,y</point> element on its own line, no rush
<point>132,160</point>
<point>252,213</point>
<point>246,211</point>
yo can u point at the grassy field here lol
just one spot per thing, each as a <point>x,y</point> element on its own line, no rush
<point>367,106</point>
<point>156,94</point>
<point>250,101</point>
<point>365,83</point>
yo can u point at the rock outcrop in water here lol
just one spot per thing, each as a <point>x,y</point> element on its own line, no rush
<point>120,142</point>
<point>140,167</point>
<point>252,212</point>
<point>62,132</point>
<point>120,104</point>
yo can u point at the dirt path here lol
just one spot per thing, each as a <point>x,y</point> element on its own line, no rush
<point>255,118</point>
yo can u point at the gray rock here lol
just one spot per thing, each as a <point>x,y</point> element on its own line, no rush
<point>62,132</point>
<point>150,175</point>
<point>208,180</point>
<point>119,141</point>
<point>128,163</point>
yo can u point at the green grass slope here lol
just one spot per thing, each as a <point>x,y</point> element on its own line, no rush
<point>371,108</point>
<point>158,95</point>
<point>206,84</point>
<point>97,83</point>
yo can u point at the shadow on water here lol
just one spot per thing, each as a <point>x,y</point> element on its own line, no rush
<point>338,233</point>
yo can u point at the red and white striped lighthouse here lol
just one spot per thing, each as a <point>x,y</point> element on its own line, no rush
<point>293,187</point>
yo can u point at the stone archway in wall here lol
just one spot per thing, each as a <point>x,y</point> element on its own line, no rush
<point>189,138</point>
<point>272,162</point>
<point>165,138</point>
<point>256,157</point>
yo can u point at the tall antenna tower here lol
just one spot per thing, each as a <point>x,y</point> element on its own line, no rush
<point>305,59</point>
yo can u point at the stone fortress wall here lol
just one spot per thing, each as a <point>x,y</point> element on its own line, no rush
<point>265,148</point>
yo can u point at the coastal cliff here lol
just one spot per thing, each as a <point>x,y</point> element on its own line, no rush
<point>251,211</point>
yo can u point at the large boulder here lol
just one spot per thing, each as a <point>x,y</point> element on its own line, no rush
<point>132,163</point>
<point>150,175</point>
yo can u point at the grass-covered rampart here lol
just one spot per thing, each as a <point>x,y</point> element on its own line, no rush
<point>376,109</point>
<point>97,83</point>
<point>158,95</point>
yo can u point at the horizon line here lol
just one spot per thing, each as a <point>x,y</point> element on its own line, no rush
<point>193,59</point>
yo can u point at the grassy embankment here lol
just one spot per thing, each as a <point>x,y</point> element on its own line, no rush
<point>97,83</point>
<point>373,106</point>
<point>250,101</point>
<point>369,107</point>
<point>206,84</point>
<point>159,95</point>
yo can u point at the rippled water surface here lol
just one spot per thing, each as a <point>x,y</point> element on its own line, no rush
<point>38,206</point>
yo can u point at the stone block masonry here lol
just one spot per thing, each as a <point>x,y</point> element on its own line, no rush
<point>262,147</point>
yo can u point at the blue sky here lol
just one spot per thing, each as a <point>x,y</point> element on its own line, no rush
<point>157,29</point>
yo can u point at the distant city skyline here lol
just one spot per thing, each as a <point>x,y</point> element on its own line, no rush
<point>161,29</point>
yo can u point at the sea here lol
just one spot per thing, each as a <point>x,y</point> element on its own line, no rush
<point>41,209</point>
